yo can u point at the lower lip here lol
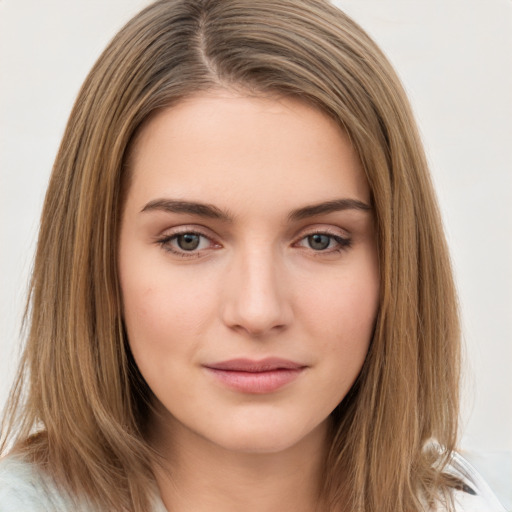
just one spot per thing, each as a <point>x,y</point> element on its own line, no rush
<point>256,382</point>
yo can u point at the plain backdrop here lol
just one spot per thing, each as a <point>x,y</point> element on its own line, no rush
<point>455,60</point>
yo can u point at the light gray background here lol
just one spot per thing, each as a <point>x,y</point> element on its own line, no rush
<point>455,59</point>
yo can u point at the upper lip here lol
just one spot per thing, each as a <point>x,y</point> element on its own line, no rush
<point>251,365</point>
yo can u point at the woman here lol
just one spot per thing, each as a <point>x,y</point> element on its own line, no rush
<point>242,296</point>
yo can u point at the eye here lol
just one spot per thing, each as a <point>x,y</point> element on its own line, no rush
<point>327,242</point>
<point>187,243</point>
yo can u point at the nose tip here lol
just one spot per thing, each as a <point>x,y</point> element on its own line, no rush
<point>257,318</point>
<point>256,299</point>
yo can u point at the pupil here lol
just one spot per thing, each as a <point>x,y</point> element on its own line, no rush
<point>319,242</point>
<point>188,241</point>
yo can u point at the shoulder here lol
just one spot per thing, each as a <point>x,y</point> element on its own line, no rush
<point>23,487</point>
<point>474,495</point>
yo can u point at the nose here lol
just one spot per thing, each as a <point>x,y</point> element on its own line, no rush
<point>256,298</point>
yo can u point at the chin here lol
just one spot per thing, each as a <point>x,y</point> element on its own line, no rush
<point>256,444</point>
<point>266,438</point>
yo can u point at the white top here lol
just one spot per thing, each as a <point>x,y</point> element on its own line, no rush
<point>477,495</point>
<point>24,489</point>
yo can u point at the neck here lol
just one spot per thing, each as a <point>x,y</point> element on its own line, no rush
<point>198,475</point>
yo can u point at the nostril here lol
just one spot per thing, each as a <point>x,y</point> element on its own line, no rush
<point>257,331</point>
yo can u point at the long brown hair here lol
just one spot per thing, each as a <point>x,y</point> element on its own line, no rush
<point>79,404</point>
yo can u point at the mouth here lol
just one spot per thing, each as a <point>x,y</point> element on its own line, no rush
<point>255,377</point>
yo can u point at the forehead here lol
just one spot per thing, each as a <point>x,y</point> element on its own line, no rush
<point>226,147</point>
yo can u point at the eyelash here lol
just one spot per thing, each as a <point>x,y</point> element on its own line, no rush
<point>165,243</point>
<point>343,243</point>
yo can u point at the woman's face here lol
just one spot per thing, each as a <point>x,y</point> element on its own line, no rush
<point>248,269</point>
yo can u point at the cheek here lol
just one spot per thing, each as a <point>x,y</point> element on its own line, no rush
<point>346,305</point>
<point>164,311</point>
<point>341,318</point>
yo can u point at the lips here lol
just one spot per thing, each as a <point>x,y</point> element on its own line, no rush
<point>255,377</point>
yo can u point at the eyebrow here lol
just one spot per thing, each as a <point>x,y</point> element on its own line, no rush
<point>335,205</point>
<point>192,208</point>
<point>213,212</point>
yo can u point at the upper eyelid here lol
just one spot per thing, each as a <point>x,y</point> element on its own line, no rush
<point>182,229</point>
<point>322,229</point>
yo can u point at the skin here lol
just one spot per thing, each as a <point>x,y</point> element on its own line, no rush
<point>258,285</point>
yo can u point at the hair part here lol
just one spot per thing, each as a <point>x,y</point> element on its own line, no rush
<point>79,404</point>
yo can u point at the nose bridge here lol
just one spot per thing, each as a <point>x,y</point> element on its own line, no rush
<point>256,293</point>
